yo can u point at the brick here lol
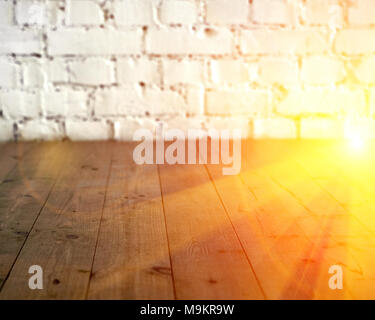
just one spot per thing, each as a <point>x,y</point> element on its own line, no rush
<point>138,70</point>
<point>78,130</point>
<point>67,103</point>
<point>133,12</point>
<point>94,42</point>
<point>275,128</point>
<point>278,70</point>
<point>17,104</point>
<point>118,101</point>
<point>84,12</point>
<point>9,74</point>
<point>40,130</point>
<point>227,12</point>
<point>205,41</point>
<point>322,70</point>
<point>181,123</point>
<point>55,15</point>
<point>273,12</point>
<point>236,102</point>
<point>92,71</point>
<point>324,12</point>
<point>6,13</point>
<point>230,123</point>
<point>125,128</point>
<point>16,41</point>
<point>283,42</point>
<point>365,71</point>
<point>34,75</point>
<point>355,42</point>
<point>6,130</point>
<point>132,101</point>
<point>56,70</point>
<point>31,12</point>
<point>229,71</point>
<point>321,128</point>
<point>195,99</point>
<point>336,101</point>
<point>183,71</point>
<point>158,102</point>
<point>361,12</point>
<point>178,12</point>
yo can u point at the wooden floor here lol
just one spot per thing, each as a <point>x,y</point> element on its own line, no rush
<point>102,227</point>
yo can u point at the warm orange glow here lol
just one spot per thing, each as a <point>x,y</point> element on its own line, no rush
<point>356,142</point>
<point>356,133</point>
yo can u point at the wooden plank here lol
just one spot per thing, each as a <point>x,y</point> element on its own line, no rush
<point>274,228</point>
<point>325,223</point>
<point>23,193</point>
<point>350,182</point>
<point>132,258</point>
<point>207,259</point>
<point>63,238</point>
<point>10,154</point>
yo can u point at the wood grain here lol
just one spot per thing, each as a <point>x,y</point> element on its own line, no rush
<point>63,238</point>
<point>11,154</point>
<point>23,193</point>
<point>207,258</point>
<point>132,257</point>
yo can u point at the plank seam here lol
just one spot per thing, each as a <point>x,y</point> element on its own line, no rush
<point>31,228</point>
<point>166,232</point>
<point>235,232</point>
<point>100,223</point>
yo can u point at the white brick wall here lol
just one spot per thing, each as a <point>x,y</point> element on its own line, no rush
<point>183,71</point>
<point>84,12</point>
<point>273,12</point>
<point>230,71</point>
<point>203,41</point>
<point>275,128</point>
<point>95,41</point>
<point>178,12</point>
<point>361,12</point>
<point>16,41</point>
<point>236,102</point>
<point>31,12</point>
<point>324,12</point>
<point>227,12</point>
<point>94,69</point>
<point>34,75</point>
<point>133,12</point>
<point>322,70</point>
<point>9,74</point>
<point>91,71</point>
<point>67,103</point>
<point>6,13</point>
<point>130,70</point>
<point>276,70</point>
<point>19,104</point>
<point>278,42</point>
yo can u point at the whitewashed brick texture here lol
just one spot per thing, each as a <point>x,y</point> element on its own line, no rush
<point>9,73</point>
<point>273,12</point>
<point>361,12</point>
<point>94,69</point>
<point>6,13</point>
<point>178,12</point>
<point>227,12</point>
<point>324,12</point>
<point>84,12</point>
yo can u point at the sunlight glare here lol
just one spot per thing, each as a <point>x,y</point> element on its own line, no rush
<point>356,142</point>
